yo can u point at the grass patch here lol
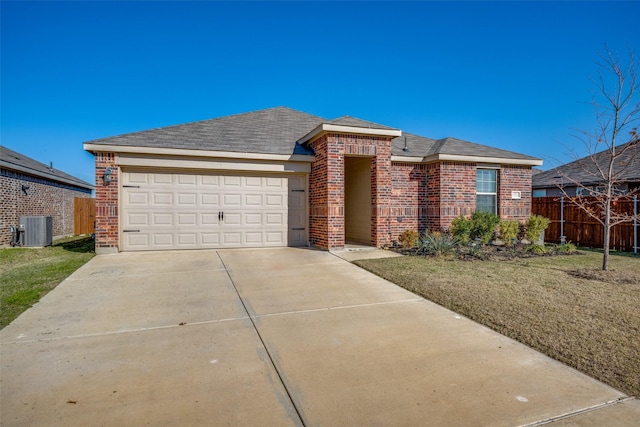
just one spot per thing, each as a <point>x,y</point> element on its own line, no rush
<point>563,306</point>
<point>27,274</point>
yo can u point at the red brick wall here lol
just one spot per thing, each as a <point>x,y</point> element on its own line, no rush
<point>514,178</point>
<point>408,198</point>
<point>43,198</point>
<point>326,185</point>
<point>106,204</point>
<point>451,191</point>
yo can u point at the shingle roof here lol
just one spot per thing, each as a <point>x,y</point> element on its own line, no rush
<point>584,170</point>
<point>418,146</point>
<point>13,160</point>
<point>278,130</point>
<point>271,131</point>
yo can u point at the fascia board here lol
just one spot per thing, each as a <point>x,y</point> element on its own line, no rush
<point>196,153</point>
<point>210,164</point>
<point>49,177</point>
<point>481,159</point>
<point>328,127</point>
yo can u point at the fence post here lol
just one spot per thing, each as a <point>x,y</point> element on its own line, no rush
<point>635,224</point>
<point>563,238</point>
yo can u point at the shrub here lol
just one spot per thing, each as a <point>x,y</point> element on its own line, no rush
<point>566,248</point>
<point>509,231</point>
<point>461,229</point>
<point>437,244</point>
<point>409,238</point>
<point>537,249</point>
<point>484,226</point>
<point>535,226</point>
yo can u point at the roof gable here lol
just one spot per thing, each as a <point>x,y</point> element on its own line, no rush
<point>13,160</point>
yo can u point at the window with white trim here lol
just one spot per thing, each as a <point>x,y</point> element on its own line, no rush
<point>487,190</point>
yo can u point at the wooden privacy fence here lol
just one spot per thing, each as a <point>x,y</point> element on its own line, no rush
<point>84,215</point>
<point>581,229</point>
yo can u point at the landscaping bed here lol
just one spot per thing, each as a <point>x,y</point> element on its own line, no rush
<point>27,274</point>
<point>563,306</point>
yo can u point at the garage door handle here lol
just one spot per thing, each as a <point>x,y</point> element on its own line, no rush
<point>220,216</point>
<point>130,231</point>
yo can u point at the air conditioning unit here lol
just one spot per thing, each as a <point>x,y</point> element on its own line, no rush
<point>38,230</point>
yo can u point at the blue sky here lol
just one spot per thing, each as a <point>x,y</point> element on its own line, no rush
<point>513,75</point>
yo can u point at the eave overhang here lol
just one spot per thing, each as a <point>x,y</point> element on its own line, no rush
<point>48,177</point>
<point>354,130</point>
<point>470,159</point>
<point>104,148</point>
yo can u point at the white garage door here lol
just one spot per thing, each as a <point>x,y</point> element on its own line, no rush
<point>192,211</point>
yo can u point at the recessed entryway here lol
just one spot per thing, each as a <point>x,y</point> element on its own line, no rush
<point>357,200</point>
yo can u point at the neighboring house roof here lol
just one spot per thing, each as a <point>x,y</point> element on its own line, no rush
<point>15,161</point>
<point>285,131</point>
<point>584,170</point>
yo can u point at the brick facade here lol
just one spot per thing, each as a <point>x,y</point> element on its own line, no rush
<point>326,187</point>
<point>404,196</point>
<point>515,178</point>
<point>42,198</point>
<point>408,198</point>
<point>451,191</point>
<point>106,204</point>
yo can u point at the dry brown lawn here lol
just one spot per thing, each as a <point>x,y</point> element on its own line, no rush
<point>562,306</point>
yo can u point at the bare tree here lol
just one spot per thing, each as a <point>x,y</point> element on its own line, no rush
<point>613,146</point>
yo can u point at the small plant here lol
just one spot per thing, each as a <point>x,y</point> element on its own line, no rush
<point>484,226</point>
<point>461,229</point>
<point>509,231</point>
<point>566,248</point>
<point>537,249</point>
<point>437,244</point>
<point>535,226</point>
<point>409,238</point>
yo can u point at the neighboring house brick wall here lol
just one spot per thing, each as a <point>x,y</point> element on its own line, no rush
<point>106,204</point>
<point>43,198</point>
<point>514,178</point>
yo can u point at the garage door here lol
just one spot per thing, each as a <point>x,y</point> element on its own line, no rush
<point>191,211</point>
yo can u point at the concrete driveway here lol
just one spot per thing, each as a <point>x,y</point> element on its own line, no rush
<point>273,337</point>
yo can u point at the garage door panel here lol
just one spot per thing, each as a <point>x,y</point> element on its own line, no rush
<point>162,199</point>
<point>275,238</point>
<point>173,211</point>
<point>210,180</point>
<point>140,219</point>
<point>138,198</point>
<point>187,239</point>
<point>231,200</point>
<point>210,200</point>
<point>188,180</point>
<point>275,218</point>
<point>187,219</point>
<point>253,200</point>
<point>136,178</point>
<point>187,199</point>
<point>161,219</point>
<point>208,219</point>
<point>231,181</point>
<point>162,240</point>
<point>275,200</point>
